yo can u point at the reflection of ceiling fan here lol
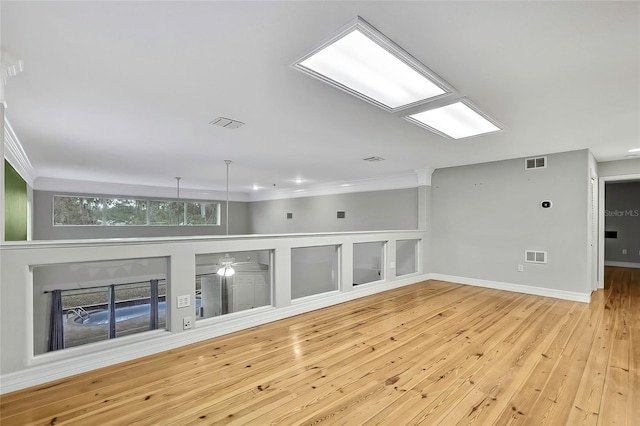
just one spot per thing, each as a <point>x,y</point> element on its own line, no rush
<point>226,268</point>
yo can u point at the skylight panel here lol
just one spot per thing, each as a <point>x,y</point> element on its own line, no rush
<point>362,61</point>
<point>457,120</point>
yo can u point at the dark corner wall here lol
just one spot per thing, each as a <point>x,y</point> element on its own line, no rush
<point>15,206</point>
<point>622,222</point>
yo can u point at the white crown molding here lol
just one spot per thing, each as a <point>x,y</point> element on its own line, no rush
<point>424,177</point>
<point>407,180</point>
<point>15,154</point>
<point>106,188</point>
<point>411,179</point>
<point>518,288</point>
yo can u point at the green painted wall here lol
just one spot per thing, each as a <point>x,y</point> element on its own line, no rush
<point>15,205</point>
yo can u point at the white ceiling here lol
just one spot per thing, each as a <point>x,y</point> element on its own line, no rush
<point>123,91</point>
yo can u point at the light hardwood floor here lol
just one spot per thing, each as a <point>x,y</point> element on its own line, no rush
<point>430,353</point>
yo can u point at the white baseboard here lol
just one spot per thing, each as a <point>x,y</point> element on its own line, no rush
<point>107,354</point>
<point>621,264</point>
<point>518,288</point>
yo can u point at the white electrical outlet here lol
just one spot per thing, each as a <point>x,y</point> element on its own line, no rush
<point>520,268</point>
<point>392,265</point>
<point>183,301</point>
<point>624,251</point>
<point>186,323</point>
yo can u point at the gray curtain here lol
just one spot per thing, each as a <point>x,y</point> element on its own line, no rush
<point>56,325</point>
<point>112,311</point>
<point>153,313</point>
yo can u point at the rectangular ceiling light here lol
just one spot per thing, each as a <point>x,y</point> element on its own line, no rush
<point>362,61</point>
<point>457,120</point>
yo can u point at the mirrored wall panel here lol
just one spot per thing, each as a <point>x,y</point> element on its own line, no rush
<point>79,303</point>
<point>367,262</point>
<point>314,270</point>
<point>232,282</point>
<point>406,255</point>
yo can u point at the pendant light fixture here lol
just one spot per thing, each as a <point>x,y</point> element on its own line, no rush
<point>178,197</point>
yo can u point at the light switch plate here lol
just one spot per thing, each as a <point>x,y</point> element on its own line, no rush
<point>183,301</point>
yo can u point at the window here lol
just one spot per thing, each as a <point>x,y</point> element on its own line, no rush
<point>166,213</point>
<point>125,212</point>
<point>202,214</point>
<point>77,211</point>
<point>102,211</point>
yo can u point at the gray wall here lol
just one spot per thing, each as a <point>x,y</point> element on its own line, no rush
<point>43,228</point>
<point>618,168</point>
<point>485,216</point>
<point>622,214</point>
<point>365,211</point>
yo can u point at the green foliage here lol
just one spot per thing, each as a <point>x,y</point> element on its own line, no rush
<point>77,211</point>
<point>125,212</point>
<point>121,211</point>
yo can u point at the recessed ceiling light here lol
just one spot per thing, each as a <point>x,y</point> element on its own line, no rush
<point>457,120</point>
<point>365,63</point>
<point>298,180</point>
<point>256,187</point>
<point>634,150</point>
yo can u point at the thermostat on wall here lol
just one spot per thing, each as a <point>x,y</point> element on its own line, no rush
<point>546,204</point>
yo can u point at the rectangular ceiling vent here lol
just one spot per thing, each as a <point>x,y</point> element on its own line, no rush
<point>227,123</point>
<point>373,159</point>
<point>531,256</point>
<point>535,163</point>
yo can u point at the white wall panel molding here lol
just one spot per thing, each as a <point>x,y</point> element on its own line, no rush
<point>20,368</point>
<point>163,341</point>
<point>517,288</point>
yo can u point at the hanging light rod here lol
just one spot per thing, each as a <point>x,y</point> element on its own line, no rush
<point>227,162</point>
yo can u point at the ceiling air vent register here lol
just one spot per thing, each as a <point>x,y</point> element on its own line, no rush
<point>227,123</point>
<point>373,159</point>
<point>531,256</point>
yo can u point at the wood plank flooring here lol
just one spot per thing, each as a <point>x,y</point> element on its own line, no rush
<point>430,353</point>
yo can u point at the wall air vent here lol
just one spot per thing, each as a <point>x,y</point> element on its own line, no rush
<point>531,256</point>
<point>535,163</point>
<point>227,123</point>
<point>373,159</point>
